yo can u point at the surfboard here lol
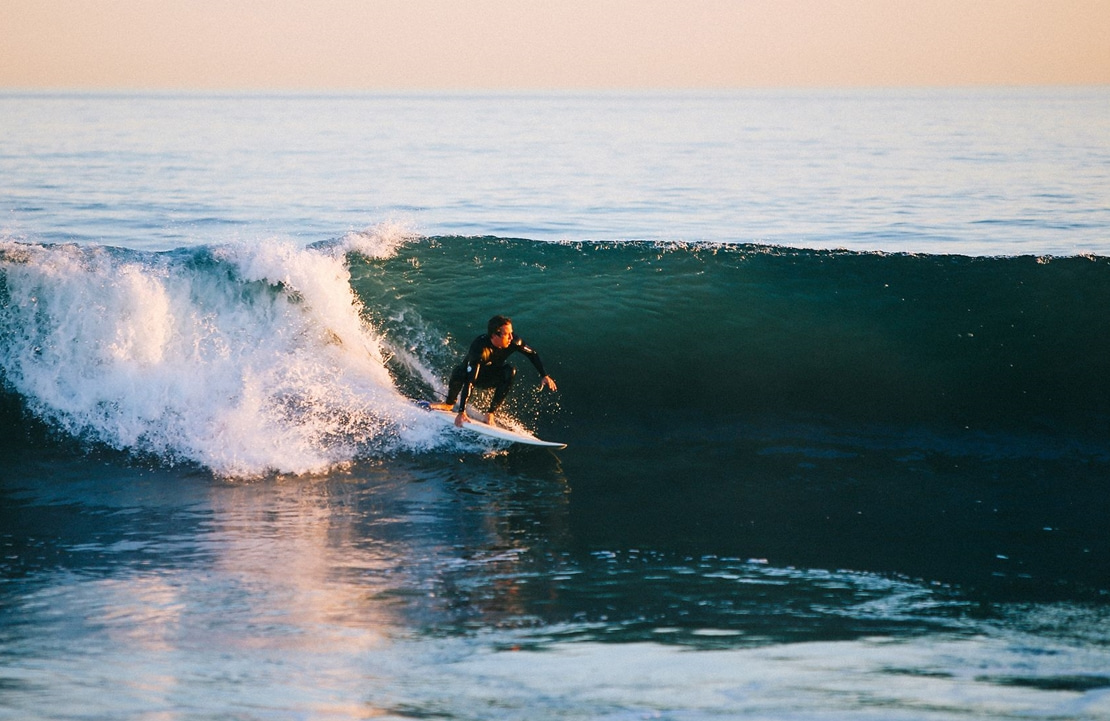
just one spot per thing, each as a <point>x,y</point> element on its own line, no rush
<point>478,425</point>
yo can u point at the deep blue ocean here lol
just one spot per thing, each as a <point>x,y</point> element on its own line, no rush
<point>834,376</point>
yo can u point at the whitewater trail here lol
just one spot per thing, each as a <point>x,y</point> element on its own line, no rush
<point>246,359</point>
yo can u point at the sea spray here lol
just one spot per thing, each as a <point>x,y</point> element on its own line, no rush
<point>243,358</point>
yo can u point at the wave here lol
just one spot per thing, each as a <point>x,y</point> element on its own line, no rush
<point>271,356</point>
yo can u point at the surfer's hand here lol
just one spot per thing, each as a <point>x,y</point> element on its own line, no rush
<point>548,382</point>
<point>461,418</point>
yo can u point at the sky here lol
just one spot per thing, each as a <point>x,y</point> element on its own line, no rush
<point>550,44</point>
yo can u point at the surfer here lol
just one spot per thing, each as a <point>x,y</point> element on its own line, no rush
<point>485,367</point>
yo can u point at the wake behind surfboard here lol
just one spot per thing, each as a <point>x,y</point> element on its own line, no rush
<point>477,426</point>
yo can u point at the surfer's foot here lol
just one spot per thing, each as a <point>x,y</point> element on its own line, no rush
<point>491,419</point>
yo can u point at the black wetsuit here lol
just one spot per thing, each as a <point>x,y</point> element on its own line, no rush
<point>485,367</point>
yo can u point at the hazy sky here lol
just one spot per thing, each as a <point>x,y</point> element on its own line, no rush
<point>505,44</point>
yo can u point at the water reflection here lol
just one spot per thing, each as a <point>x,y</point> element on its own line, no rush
<point>391,587</point>
<point>192,585</point>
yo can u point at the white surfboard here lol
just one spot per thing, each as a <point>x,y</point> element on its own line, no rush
<point>477,424</point>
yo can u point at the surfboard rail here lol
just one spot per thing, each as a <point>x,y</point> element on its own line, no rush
<point>478,425</point>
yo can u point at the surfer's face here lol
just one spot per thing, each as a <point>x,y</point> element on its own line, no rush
<point>502,336</point>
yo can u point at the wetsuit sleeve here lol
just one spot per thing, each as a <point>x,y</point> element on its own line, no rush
<point>533,356</point>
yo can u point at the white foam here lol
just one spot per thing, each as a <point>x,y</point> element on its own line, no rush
<point>380,241</point>
<point>251,360</point>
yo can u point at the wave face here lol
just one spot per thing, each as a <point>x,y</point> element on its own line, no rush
<point>241,359</point>
<point>939,417</point>
<point>246,359</point>
<point>710,333</point>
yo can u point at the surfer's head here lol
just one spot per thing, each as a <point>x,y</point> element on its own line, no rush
<point>500,329</point>
<point>496,323</point>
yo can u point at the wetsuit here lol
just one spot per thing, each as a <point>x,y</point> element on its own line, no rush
<point>485,367</point>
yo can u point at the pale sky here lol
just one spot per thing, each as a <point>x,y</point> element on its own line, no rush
<point>550,44</point>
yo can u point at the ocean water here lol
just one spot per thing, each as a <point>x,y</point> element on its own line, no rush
<point>834,375</point>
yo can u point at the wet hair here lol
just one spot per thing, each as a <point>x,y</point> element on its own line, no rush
<point>496,322</point>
